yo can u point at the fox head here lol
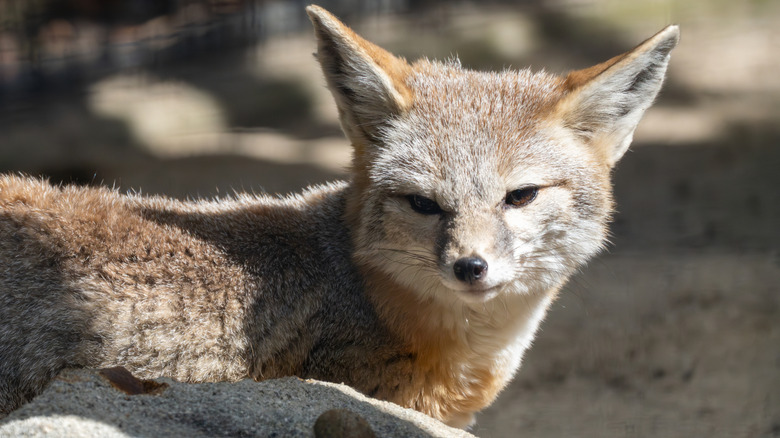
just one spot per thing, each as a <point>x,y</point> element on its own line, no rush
<point>468,185</point>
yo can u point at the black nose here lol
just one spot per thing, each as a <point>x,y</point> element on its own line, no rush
<point>470,269</point>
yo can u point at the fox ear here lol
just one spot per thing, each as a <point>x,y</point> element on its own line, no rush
<point>367,82</point>
<point>604,103</point>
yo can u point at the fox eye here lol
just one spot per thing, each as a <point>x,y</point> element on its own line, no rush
<point>521,197</point>
<point>423,205</point>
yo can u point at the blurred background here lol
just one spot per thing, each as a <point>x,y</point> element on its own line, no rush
<point>674,332</point>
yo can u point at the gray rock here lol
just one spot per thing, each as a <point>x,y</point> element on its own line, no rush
<point>84,403</point>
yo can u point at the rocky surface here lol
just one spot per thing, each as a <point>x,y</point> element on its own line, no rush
<point>90,403</point>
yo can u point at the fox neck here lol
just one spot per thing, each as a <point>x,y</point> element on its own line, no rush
<point>462,356</point>
<point>491,336</point>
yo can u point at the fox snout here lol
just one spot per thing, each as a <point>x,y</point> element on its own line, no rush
<point>474,260</point>
<point>470,269</point>
<point>475,277</point>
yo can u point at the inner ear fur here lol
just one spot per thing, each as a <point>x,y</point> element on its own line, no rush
<point>604,103</point>
<point>367,82</point>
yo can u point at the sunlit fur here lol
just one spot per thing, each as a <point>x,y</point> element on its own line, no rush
<point>344,282</point>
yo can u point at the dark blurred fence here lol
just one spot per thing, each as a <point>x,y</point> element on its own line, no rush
<point>47,45</point>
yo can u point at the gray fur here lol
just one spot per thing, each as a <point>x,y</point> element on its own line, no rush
<point>205,291</point>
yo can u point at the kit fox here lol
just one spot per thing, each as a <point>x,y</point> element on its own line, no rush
<point>421,280</point>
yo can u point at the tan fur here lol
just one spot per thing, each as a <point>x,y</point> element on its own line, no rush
<point>439,353</point>
<point>350,282</point>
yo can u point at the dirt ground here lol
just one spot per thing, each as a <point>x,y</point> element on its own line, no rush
<point>674,332</point>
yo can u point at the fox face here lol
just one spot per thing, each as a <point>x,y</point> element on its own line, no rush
<point>470,185</point>
<point>470,190</point>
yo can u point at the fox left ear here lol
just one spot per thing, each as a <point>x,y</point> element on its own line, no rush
<point>604,103</point>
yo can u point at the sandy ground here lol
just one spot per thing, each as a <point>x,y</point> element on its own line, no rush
<point>675,332</point>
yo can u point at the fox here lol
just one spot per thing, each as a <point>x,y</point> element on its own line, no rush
<point>471,199</point>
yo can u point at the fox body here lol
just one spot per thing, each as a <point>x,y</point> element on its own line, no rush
<point>473,197</point>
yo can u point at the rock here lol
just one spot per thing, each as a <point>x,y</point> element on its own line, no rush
<point>342,423</point>
<point>91,403</point>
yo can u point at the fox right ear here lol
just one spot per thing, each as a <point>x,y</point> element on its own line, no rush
<point>604,103</point>
<point>367,82</point>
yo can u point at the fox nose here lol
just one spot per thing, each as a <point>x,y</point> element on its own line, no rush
<point>470,269</point>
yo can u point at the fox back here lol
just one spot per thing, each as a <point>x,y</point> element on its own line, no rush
<point>422,280</point>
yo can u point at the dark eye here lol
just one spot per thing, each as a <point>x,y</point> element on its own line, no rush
<point>423,205</point>
<point>521,197</point>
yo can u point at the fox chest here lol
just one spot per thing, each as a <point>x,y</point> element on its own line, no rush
<point>450,389</point>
